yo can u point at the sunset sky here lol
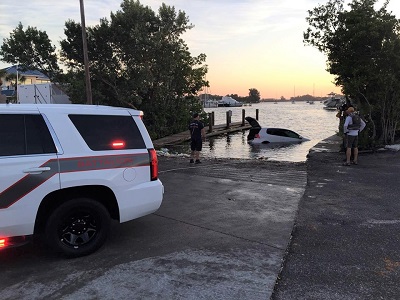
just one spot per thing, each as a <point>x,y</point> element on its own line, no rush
<point>248,43</point>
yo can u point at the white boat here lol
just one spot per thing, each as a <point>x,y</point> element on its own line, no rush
<point>227,101</point>
<point>210,103</point>
<point>206,100</point>
<point>262,135</point>
<point>333,102</point>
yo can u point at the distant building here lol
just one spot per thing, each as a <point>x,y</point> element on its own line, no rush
<point>30,77</point>
<point>34,88</point>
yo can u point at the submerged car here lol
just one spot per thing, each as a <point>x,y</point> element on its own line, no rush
<point>260,135</point>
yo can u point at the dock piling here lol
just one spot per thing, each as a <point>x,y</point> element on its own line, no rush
<point>228,118</point>
<point>210,121</point>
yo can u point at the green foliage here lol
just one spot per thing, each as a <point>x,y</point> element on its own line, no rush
<point>254,96</point>
<point>362,46</point>
<point>3,73</point>
<point>31,49</point>
<point>138,59</point>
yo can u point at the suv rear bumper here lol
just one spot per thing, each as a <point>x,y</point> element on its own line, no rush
<point>14,241</point>
<point>141,200</point>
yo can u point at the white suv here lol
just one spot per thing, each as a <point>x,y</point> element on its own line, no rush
<point>67,170</point>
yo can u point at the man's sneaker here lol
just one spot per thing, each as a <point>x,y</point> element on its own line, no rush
<point>191,161</point>
<point>198,161</point>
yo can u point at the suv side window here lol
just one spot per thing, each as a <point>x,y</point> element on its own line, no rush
<point>108,132</point>
<point>22,134</point>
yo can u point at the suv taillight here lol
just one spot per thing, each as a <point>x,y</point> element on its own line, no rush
<point>7,242</point>
<point>153,164</point>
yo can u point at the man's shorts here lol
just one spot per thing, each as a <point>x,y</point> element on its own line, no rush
<point>352,141</point>
<point>196,145</point>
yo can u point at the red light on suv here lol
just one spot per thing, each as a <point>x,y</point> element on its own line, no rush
<point>118,144</point>
<point>3,243</point>
<point>153,164</point>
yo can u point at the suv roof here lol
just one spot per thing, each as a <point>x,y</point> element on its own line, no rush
<point>69,108</point>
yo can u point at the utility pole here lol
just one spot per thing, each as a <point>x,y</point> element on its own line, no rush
<point>85,56</point>
<point>16,86</point>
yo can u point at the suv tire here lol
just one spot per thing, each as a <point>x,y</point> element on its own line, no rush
<point>78,227</point>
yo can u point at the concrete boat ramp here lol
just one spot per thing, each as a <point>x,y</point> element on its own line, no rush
<point>221,233</point>
<point>243,214</point>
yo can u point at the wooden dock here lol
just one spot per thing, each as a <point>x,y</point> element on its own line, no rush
<point>211,130</point>
<point>185,136</point>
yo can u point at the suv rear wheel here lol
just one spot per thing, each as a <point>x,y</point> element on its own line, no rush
<point>78,227</point>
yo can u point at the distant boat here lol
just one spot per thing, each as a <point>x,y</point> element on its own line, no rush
<point>293,102</point>
<point>210,103</point>
<point>333,102</point>
<point>227,101</point>
<point>207,102</point>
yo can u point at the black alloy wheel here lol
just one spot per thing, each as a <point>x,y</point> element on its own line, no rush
<point>78,227</point>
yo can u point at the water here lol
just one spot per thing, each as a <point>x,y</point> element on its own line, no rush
<point>310,121</point>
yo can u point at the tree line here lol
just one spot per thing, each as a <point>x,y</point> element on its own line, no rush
<point>137,59</point>
<point>253,97</point>
<point>362,46</point>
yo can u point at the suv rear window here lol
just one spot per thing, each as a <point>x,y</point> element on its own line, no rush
<point>22,134</point>
<point>108,132</point>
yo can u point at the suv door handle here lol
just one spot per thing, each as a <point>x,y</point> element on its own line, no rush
<point>36,170</point>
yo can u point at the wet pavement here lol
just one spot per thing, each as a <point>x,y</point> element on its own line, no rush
<point>221,233</point>
<point>240,229</point>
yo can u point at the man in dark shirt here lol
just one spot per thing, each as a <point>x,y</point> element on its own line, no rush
<point>197,133</point>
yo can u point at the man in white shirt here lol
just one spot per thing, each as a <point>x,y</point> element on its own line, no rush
<point>351,130</point>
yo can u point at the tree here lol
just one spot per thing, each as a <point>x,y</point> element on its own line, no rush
<point>254,95</point>
<point>3,73</point>
<point>138,59</point>
<point>31,49</point>
<point>362,46</point>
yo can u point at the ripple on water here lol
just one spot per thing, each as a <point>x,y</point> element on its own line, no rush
<point>310,121</point>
